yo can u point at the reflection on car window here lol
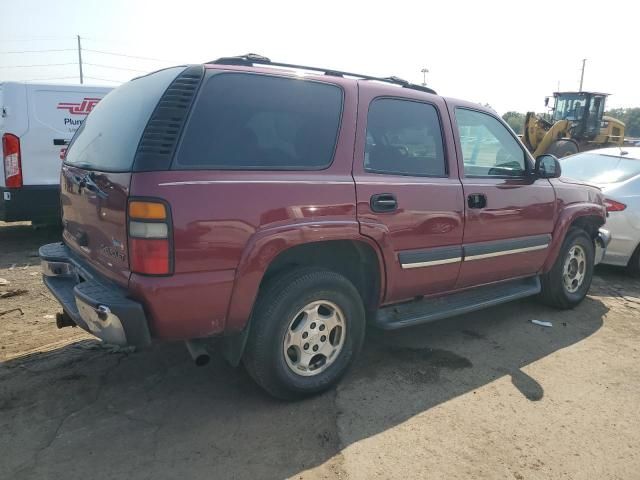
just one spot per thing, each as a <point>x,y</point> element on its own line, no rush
<point>404,138</point>
<point>488,148</point>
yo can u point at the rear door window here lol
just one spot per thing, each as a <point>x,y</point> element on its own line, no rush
<point>251,121</point>
<point>108,138</point>
<point>404,138</point>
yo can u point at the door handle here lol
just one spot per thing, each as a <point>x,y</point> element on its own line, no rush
<point>383,202</point>
<point>477,200</point>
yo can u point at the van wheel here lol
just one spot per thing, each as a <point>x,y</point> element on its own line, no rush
<point>568,281</point>
<point>307,327</point>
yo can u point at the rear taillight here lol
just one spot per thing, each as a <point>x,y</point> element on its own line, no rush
<point>613,206</point>
<point>149,237</point>
<point>12,162</point>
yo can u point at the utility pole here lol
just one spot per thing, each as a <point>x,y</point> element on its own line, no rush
<point>424,76</point>
<point>584,60</point>
<point>80,60</point>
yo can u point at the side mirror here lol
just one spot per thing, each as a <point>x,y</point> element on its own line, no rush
<point>546,101</point>
<point>547,166</point>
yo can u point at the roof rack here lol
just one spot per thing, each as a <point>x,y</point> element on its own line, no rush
<point>251,59</point>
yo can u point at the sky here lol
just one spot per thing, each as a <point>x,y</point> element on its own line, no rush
<point>505,53</point>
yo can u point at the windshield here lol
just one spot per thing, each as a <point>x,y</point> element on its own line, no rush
<point>599,169</point>
<point>570,106</point>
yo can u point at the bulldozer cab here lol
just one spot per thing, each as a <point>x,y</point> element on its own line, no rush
<point>575,123</point>
<point>584,110</point>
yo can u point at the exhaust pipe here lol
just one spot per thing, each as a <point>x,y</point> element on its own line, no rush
<point>64,320</point>
<point>198,352</point>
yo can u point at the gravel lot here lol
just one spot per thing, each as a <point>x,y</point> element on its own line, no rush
<point>487,395</point>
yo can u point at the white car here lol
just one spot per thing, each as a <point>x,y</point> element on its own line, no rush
<point>36,123</point>
<point>617,172</point>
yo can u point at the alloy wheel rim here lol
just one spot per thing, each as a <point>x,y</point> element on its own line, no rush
<point>314,338</point>
<point>574,269</point>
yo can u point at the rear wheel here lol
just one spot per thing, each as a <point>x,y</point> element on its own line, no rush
<point>307,327</point>
<point>568,281</point>
<point>562,148</point>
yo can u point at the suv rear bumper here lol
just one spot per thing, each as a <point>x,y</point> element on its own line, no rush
<point>39,203</point>
<point>93,303</point>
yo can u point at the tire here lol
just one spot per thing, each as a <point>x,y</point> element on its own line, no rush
<point>555,291</point>
<point>633,267</point>
<point>279,307</point>
<point>562,148</point>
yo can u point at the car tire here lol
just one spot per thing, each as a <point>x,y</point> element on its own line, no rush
<point>562,148</point>
<point>568,281</point>
<point>633,267</point>
<point>284,312</point>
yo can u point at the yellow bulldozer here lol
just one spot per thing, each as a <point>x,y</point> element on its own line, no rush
<point>575,123</point>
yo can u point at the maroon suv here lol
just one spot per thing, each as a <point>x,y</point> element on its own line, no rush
<point>278,209</point>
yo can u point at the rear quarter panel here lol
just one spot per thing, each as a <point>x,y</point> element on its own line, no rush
<point>624,226</point>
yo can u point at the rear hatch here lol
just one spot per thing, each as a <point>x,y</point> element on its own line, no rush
<point>97,171</point>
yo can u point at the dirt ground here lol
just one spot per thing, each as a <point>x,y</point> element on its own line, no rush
<point>488,395</point>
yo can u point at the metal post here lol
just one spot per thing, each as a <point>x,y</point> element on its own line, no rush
<point>584,60</point>
<point>80,60</point>
<point>424,76</point>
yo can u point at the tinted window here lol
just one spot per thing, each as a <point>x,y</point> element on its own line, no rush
<point>488,148</point>
<point>404,138</point>
<point>599,169</point>
<point>245,121</point>
<point>108,138</point>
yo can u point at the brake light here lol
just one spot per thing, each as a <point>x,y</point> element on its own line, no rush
<point>12,162</point>
<point>149,238</point>
<point>613,206</point>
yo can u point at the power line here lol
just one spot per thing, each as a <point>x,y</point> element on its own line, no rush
<point>115,68</point>
<point>33,39</point>
<point>38,65</point>
<point>123,55</point>
<point>40,51</point>
<point>48,78</point>
<point>103,79</point>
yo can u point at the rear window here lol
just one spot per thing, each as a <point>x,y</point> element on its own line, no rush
<point>108,138</point>
<point>260,122</point>
<point>599,169</point>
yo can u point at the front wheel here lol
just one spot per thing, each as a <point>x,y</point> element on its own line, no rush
<point>568,281</point>
<point>306,328</point>
<point>562,148</point>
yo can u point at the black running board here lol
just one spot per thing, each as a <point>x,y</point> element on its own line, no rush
<point>436,308</point>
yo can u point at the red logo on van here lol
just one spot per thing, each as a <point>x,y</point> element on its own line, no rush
<point>82,108</point>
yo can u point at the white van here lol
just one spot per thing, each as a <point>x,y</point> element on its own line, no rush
<point>36,123</point>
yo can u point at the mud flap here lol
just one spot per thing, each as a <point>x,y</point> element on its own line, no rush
<point>233,346</point>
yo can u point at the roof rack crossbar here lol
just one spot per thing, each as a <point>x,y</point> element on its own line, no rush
<point>251,59</point>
